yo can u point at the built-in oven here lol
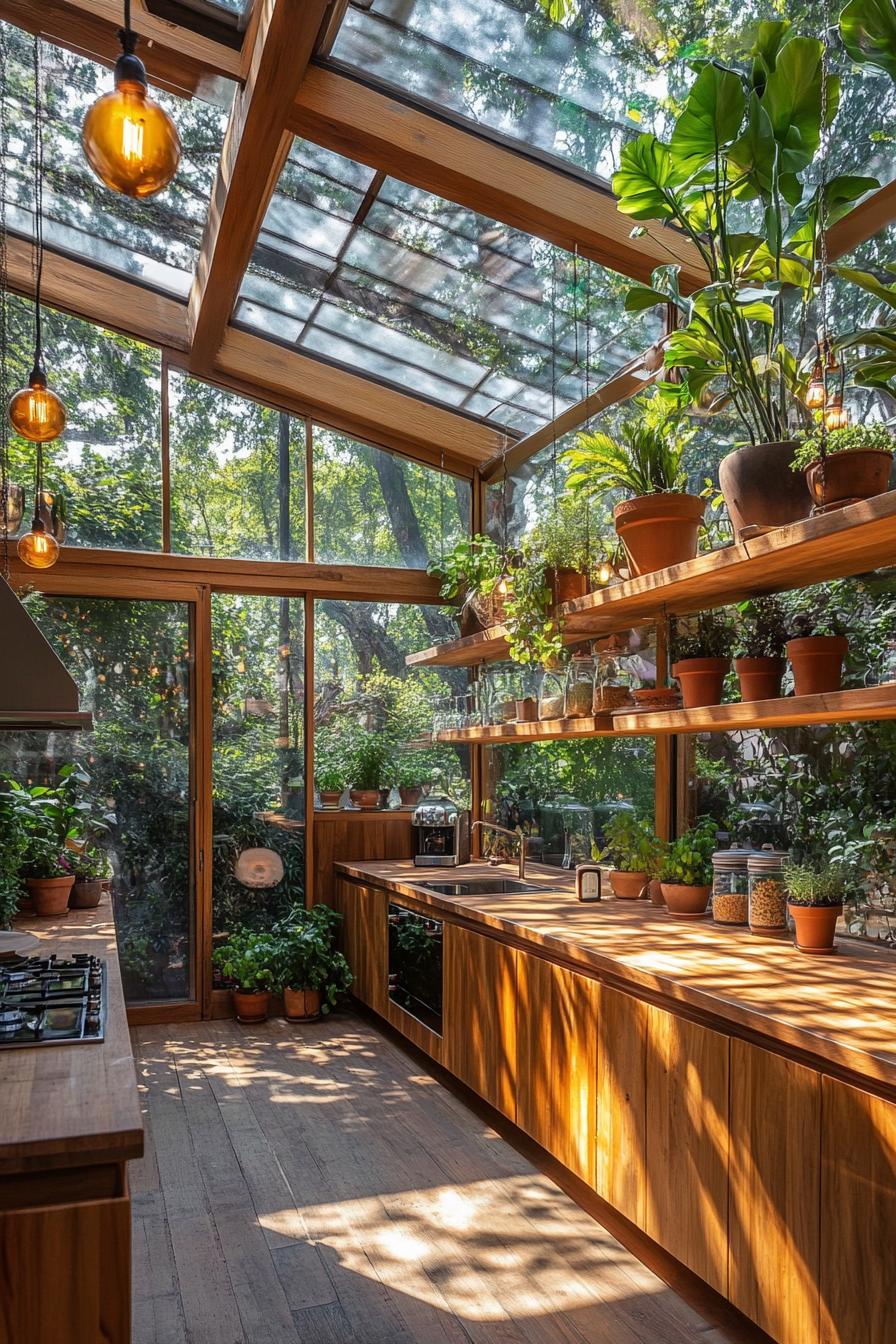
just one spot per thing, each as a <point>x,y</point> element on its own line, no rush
<point>415,965</point>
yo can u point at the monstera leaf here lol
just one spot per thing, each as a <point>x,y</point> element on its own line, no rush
<point>711,118</point>
<point>868,29</point>
<point>645,175</point>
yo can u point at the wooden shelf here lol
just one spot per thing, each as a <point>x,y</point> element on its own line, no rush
<point>869,702</point>
<point>848,541</point>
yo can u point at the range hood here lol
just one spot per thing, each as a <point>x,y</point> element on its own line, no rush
<point>35,689</point>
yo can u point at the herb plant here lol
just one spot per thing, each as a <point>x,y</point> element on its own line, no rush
<point>370,762</point>
<point>632,844</point>
<point>305,955</point>
<point>563,538</point>
<point>760,628</point>
<point>688,860</point>
<point>247,960</point>
<point>852,439</point>
<point>709,634</point>
<point>806,885</point>
<point>817,610</point>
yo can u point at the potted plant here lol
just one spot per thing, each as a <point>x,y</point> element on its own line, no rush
<point>760,636</point>
<point>409,771</point>
<point>748,131</point>
<point>246,962</point>
<point>309,972</point>
<point>702,657</point>
<point>857,463</point>
<point>659,524</point>
<point>90,867</point>
<point>818,646</point>
<point>635,850</point>
<point>814,903</point>
<point>329,780</point>
<point>562,543</point>
<point>533,631</point>
<point>368,768</point>
<point>472,576</point>
<point>686,871</point>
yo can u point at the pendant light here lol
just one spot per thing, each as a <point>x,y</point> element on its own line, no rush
<point>35,411</point>
<point>38,548</point>
<point>130,142</point>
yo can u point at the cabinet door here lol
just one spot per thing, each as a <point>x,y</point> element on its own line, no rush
<point>480,1015</point>
<point>620,1154</point>
<point>686,1191</point>
<point>858,1216</point>
<point>365,938</point>
<point>575,1010</point>
<point>774,1193</point>
<point>535,990</point>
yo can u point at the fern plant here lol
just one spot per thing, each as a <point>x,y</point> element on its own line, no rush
<point>645,459</point>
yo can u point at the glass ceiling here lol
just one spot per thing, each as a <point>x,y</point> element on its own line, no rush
<point>578,89</point>
<point>400,285</point>
<point>156,241</point>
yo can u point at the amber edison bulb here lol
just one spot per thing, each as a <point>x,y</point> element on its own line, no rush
<point>815,393</point>
<point>36,412</point>
<point>130,141</point>
<point>38,548</point>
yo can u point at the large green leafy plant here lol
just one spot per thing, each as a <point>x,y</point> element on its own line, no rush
<point>247,960</point>
<point>732,178</point>
<point>645,458</point>
<point>306,956</point>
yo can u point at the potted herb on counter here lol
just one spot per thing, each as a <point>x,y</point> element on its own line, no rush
<point>702,657</point>
<point>246,961</point>
<point>636,851</point>
<point>814,903</point>
<point>686,872</point>
<point>410,769</point>
<point>817,647</point>
<point>309,972</point>
<point>761,633</point>
<point>857,463</point>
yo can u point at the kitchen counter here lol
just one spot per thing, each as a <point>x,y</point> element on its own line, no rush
<point>73,1105</point>
<point>837,1013</point>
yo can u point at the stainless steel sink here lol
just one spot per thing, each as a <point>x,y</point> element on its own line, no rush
<point>479,886</point>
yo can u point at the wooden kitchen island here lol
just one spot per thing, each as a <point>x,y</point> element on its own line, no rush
<point>732,1098</point>
<point>69,1123</point>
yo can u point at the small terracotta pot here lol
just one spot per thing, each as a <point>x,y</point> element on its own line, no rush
<point>329,798</point>
<point>565,585</point>
<point>760,487</point>
<point>655,892</point>
<point>251,1005</point>
<point>685,902</point>
<point>50,894</point>
<point>627,886</point>
<point>86,895</point>
<point>658,530</point>
<point>815,927</point>
<point>367,799</point>
<point>26,902</point>
<point>701,680</point>
<point>527,710</point>
<point>410,797</point>
<point>760,678</point>
<point>850,476</point>
<point>817,663</point>
<point>301,1005</point>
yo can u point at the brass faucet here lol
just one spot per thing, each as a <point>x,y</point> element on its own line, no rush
<point>514,835</point>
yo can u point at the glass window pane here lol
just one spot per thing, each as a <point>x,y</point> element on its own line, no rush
<point>107,466</point>
<point>258,769</point>
<point>237,475</point>
<point>372,507</point>
<point>131,660</point>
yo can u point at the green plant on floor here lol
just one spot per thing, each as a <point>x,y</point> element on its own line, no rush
<point>709,634</point>
<point>305,956</point>
<point>688,860</point>
<point>807,885</point>
<point>646,458</point>
<point>760,628</point>
<point>632,844</point>
<point>247,960</point>
<point>852,439</point>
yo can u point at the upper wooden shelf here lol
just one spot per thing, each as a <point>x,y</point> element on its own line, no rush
<point>848,541</point>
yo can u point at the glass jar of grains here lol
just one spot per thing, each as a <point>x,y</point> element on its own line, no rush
<point>768,891</point>
<point>579,690</point>
<point>730,902</point>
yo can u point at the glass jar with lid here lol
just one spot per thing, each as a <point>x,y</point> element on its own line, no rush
<point>552,697</point>
<point>730,886</point>
<point>768,890</point>
<point>613,683</point>
<point>579,690</point>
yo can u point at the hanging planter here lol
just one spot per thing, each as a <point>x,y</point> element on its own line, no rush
<point>858,460</point>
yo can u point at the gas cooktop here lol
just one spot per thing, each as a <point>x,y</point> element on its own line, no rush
<point>48,1001</point>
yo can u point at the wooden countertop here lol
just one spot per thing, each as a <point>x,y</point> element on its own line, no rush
<point>839,1010</point>
<point>72,1105</point>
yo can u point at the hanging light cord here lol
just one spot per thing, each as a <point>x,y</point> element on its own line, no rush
<point>4,302</point>
<point>126,36</point>
<point>823,240</point>
<point>38,160</point>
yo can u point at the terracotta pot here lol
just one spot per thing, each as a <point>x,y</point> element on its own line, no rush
<point>86,895</point>
<point>565,585</point>
<point>527,710</point>
<point>367,799</point>
<point>760,487</point>
<point>655,892</point>
<point>251,1005</point>
<point>850,476</point>
<point>701,680</point>
<point>50,894</point>
<point>410,797</point>
<point>329,798</point>
<point>301,1005</point>
<point>817,663</point>
<point>26,902</point>
<point>685,902</point>
<point>815,927</point>
<point>658,530</point>
<point>760,678</point>
<point>627,886</point>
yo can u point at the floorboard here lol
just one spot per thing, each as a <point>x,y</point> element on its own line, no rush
<point>312,1185</point>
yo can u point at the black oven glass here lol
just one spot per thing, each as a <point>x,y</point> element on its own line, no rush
<point>415,965</point>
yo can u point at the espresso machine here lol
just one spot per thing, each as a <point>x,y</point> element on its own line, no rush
<point>441,833</point>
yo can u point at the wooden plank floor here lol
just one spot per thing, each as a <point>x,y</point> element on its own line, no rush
<point>311,1185</point>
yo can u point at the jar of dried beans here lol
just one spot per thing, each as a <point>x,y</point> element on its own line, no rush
<point>768,891</point>
<point>730,901</point>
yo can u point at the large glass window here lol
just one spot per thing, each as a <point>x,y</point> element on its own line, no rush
<point>237,475</point>
<point>131,661</point>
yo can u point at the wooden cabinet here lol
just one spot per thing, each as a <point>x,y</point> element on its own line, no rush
<point>773,1208</point>
<point>621,1107</point>
<point>365,941</point>
<point>480,1045</point>
<point>858,1216</point>
<point>686,1168</point>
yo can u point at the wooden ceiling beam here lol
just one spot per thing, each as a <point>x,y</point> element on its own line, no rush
<point>255,149</point>
<point>868,218</point>
<point>502,183</point>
